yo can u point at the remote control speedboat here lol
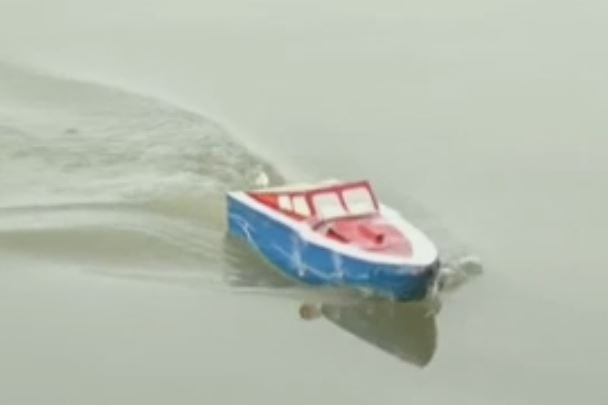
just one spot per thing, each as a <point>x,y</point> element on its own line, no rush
<point>336,234</point>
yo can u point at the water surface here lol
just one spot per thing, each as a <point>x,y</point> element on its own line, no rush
<point>482,122</point>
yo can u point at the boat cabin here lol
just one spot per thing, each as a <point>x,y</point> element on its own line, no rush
<point>322,203</point>
<point>345,212</point>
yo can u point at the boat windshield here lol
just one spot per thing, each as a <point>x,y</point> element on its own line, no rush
<point>359,201</point>
<point>327,205</point>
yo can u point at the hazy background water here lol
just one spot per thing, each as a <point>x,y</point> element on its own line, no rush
<point>483,121</point>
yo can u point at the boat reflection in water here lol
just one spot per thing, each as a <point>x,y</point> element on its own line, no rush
<point>407,331</point>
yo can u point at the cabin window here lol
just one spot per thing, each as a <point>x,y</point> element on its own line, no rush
<point>328,205</point>
<point>285,203</point>
<point>300,206</point>
<point>359,201</point>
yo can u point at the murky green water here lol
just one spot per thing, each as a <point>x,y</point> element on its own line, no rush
<point>483,122</point>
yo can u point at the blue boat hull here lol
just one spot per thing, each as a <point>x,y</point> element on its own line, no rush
<point>313,264</point>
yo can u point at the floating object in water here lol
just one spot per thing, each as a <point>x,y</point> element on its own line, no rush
<point>336,234</point>
<point>262,180</point>
<point>458,271</point>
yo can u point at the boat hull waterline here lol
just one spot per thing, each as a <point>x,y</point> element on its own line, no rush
<point>299,251</point>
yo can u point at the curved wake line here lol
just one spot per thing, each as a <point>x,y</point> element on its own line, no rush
<point>95,176</point>
<point>66,141</point>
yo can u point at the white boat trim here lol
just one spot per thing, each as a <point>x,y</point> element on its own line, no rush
<point>297,187</point>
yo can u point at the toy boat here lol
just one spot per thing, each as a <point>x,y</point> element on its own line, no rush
<point>336,234</point>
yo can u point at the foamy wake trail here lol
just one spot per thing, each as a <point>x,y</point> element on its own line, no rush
<point>99,176</point>
<point>66,141</point>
